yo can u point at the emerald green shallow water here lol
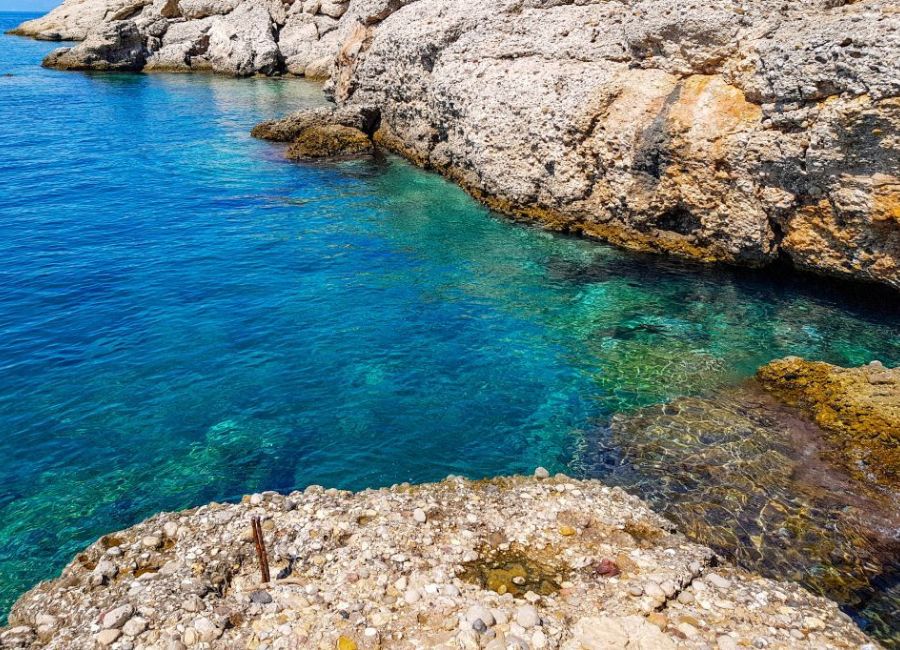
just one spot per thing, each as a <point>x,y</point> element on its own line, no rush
<point>186,317</point>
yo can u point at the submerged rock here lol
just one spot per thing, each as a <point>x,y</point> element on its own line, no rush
<point>858,408</point>
<point>358,572</point>
<point>744,474</point>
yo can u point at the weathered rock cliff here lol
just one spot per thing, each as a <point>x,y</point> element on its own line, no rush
<point>726,130</point>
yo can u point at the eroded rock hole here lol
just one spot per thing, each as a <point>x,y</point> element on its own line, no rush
<point>679,220</point>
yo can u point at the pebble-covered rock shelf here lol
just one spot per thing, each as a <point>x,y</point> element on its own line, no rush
<point>538,562</point>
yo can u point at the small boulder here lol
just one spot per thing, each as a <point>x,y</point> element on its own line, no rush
<point>118,46</point>
<point>108,637</point>
<point>329,142</point>
<point>116,618</point>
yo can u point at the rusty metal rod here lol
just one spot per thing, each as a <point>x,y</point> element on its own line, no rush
<point>261,549</point>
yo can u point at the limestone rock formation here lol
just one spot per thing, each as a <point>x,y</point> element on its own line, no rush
<point>236,37</point>
<point>72,20</point>
<point>286,129</point>
<point>716,130</point>
<point>553,564</point>
<point>118,46</point>
<point>727,130</point>
<point>858,407</point>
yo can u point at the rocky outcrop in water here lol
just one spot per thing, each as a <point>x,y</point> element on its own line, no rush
<point>506,563</point>
<point>858,408</point>
<point>722,131</point>
<point>236,37</point>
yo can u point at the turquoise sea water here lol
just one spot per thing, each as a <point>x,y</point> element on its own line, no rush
<point>185,316</point>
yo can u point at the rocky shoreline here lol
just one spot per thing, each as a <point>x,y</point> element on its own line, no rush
<point>540,562</point>
<point>727,131</point>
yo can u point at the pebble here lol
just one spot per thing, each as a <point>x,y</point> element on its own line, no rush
<point>116,618</point>
<point>658,619</point>
<point>151,542</point>
<point>685,598</point>
<point>527,616</point>
<point>346,643</point>
<point>541,473</point>
<point>108,637</point>
<point>654,591</point>
<point>46,621</point>
<point>636,590</point>
<point>135,626</point>
<point>419,516</point>
<point>687,629</point>
<point>813,623</point>
<point>718,581</point>
<point>726,642</point>
<point>207,630</point>
<point>468,639</point>
<point>479,612</point>
<point>261,597</point>
<point>566,531</point>
<point>412,596</point>
<point>106,568</point>
<point>192,604</point>
<point>170,529</point>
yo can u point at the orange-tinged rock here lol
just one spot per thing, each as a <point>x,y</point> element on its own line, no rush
<point>857,408</point>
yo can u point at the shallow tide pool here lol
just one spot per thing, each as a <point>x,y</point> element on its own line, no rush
<point>186,317</point>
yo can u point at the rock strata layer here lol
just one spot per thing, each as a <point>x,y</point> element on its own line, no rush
<point>858,408</point>
<point>735,131</point>
<point>510,562</point>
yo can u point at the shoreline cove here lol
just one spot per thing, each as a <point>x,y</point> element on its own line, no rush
<point>420,565</point>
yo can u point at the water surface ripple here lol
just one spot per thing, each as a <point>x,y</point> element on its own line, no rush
<point>184,316</point>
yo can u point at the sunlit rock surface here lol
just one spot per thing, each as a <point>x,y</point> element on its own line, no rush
<point>529,563</point>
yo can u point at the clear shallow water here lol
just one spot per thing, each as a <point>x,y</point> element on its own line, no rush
<point>184,316</point>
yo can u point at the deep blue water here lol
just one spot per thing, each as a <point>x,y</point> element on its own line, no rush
<point>185,316</point>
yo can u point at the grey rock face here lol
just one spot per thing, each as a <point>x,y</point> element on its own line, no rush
<point>716,131</point>
<point>235,37</point>
<point>72,20</point>
<point>119,45</point>
<point>243,42</point>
